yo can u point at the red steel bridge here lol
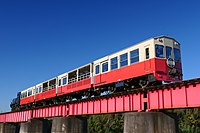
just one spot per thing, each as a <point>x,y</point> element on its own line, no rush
<point>185,94</point>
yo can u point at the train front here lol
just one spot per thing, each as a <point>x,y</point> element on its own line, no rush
<point>168,66</point>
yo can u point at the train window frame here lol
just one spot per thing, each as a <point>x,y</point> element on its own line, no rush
<point>24,94</point>
<point>30,93</point>
<point>158,51</point>
<point>59,82</point>
<point>175,54</point>
<point>124,60</point>
<point>147,53</point>
<point>167,52</point>
<point>64,81</point>
<point>114,65</point>
<point>97,67</point>
<point>37,90</point>
<point>40,89</point>
<point>103,66</point>
<point>137,55</point>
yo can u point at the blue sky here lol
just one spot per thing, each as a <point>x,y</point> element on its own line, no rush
<point>42,39</point>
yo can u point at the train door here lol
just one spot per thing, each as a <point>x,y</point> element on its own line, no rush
<point>147,62</point>
<point>97,74</point>
<point>104,70</point>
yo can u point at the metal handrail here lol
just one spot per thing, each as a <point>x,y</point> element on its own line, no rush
<point>72,80</point>
<point>84,76</point>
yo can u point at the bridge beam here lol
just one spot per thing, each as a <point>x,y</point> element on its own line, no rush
<point>148,122</point>
<point>35,126</point>
<point>69,125</point>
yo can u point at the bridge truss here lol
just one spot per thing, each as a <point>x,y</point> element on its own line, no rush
<point>185,94</point>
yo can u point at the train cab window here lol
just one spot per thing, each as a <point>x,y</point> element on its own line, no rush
<point>123,60</point>
<point>114,63</point>
<point>64,81</point>
<point>177,54</point>
<point>97,69</point>
<point>159,51</point>
<point>105,67</point>
<point>147,53</point>
<point>134,56</point>
<point>29,92</point>
<point>168,52</point>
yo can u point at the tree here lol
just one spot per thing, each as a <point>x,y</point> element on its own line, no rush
<point>108,123</point>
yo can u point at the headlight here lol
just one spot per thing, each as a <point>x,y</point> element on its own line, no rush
<point>170,63</point>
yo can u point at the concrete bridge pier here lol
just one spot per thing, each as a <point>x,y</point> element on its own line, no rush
<point>9,128</point>
<point>69,125</point>
<point>36,126</point>
<point>148,122</point>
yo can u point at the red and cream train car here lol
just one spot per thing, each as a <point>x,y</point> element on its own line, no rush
<point>154,60</point>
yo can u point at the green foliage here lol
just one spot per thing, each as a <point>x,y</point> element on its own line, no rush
<point>188,121</point>
<point>109,123</point>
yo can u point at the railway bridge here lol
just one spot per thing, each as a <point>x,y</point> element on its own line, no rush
<point>141,107</point>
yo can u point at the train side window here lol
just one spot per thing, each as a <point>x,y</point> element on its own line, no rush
<point>59,82</point>
<point>25,94</point>
<point>147,53</point>
<point>29,92</point>
<point>114,63</point>
<point>64,82</point>
<point>177,54</point>
<point>123,60</point>
<point>97,69</point>
<point>37,90</point>
<point>134,56</point>
<point>159,51</point>
<point>105,67</point>
<point>22,95</point>
<point>168,52</point>
<point>40,89</point>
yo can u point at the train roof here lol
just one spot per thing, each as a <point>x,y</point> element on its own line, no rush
<point>162,36</point>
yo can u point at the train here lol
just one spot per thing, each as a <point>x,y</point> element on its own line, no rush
<point>150,62</point>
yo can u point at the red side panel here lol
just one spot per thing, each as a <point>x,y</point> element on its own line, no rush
<point>46,94</point>
<point>55,111</point>
<point>76,86</point>
<point>21,116</point>
<point>2,118</point>
<point>161,70</point>
<point>134,70</point>
<point>155,66</point>
<point>27,100</point>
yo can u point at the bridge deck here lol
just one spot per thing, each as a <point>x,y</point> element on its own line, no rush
<point>177,95</point>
